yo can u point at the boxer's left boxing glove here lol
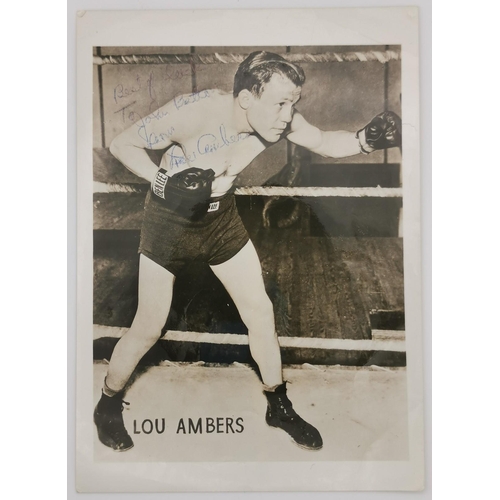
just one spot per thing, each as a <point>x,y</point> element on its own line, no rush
<point>186,192</point>
<point>383,132</point>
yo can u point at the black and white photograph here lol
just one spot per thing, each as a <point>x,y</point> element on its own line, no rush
<point>249,287</point>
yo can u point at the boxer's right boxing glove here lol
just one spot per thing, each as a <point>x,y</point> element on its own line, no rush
<point>383,132</point>
<point>186,192</point>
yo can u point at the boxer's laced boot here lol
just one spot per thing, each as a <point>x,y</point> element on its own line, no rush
<point>281,414</point>
<point>109,421</point>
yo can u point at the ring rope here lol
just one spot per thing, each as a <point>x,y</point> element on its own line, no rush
<point>216,58</point>
<point>341,192</point>
<point>101,331</point>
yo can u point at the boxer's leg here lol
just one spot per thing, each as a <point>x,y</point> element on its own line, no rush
<point>155,296</point>
<point>242,277</point>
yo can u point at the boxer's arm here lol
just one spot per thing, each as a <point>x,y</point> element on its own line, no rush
<point>159,130</point>
<point>383,131</point>
<point>333,144</point>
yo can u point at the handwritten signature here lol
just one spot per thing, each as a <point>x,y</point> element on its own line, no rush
<point>131,114</point>
<point>171,74</point>
<point>206,144</point>
<point>186,99</point>
<point>151,90</point>
<point>181,158</point>
<point>121,92</point>
<point>151,138</point>
<point>209,143</point>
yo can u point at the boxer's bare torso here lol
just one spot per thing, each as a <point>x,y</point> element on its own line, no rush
<point>210,129</point>
<point>213,141</point>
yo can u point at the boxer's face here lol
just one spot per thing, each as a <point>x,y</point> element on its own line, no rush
<point>269,114</point>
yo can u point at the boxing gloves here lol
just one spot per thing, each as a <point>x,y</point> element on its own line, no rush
<point>187,193</point>
<point>383,132</point>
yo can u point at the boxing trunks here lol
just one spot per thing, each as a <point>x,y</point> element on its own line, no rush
<point>173,240</point>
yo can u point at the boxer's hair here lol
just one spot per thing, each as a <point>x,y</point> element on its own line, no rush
<point>259,67</point>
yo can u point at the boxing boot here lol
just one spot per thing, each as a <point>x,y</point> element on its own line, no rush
<point>109,421</point>
<point>281,414</point>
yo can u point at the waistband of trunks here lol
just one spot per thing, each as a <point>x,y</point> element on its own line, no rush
<point>205,212</point>
<point>220,203</point>
<point>227,194</point>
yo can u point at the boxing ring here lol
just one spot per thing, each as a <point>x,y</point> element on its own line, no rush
<point>338,291</point>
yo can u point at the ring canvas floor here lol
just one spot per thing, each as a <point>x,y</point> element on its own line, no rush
<point>360,412</point>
